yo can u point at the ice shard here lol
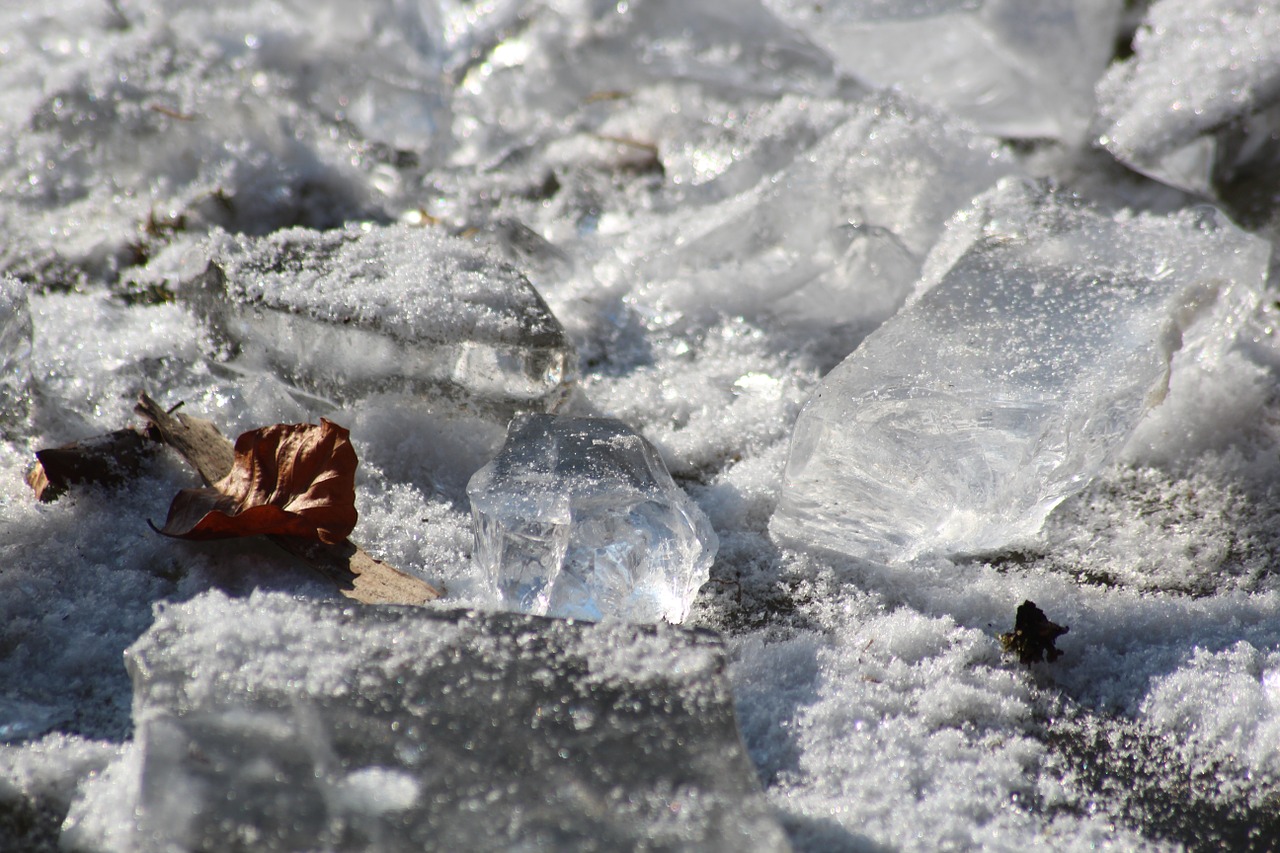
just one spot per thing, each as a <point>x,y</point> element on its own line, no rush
<point>834,239</point>
<point>555,58</point>
<point>277,725</point>
<point>1007,69</point>
<point>1044,331</point>
<point>347,313</point>
<point>15,352</point>
<point>1201,92</point>
<point>578,517</point>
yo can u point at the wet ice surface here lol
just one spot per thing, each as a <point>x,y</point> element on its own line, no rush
<point>578,517</point>
<point>674,180</point>
<point>361,729</point>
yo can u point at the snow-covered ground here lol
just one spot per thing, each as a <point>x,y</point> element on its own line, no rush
<point>718,201</point>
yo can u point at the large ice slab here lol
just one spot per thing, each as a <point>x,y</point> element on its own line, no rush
<point>1201,75</point>
<point>962,421</point>
<point>351,312</point>
<point>578,517</point>
<point>277,725</point>
<point>1010,70</point>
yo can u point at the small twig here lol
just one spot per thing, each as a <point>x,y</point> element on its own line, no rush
<point>171,113</point>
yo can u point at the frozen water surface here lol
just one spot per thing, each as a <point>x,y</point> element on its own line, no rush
<point>715,201</point>
<point>348,729</point>
<point>578,517</point>
<point>960,423</point>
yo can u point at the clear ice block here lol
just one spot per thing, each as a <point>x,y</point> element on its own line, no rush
<point>1009,68</point>
<point>1201,73</point>
<point>962,421</point>
<point>578,517</point>
<point>271,724</point>
<point>352,312</point>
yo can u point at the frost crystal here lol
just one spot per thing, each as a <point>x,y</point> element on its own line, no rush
<point>962,421</point>
<point>578,517</point>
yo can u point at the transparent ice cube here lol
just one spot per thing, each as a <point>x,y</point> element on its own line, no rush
<point>578,517</point>
<point>273,724</point>
<point>963,420</point>
<point>353,312</point>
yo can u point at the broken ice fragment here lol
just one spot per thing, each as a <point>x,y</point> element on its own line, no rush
<point>319,726</point>
<point>348,313</point>
<point>837,237</point>
<point>963,420</point>
<point>1204,76</point>
<point>15,352</point>
<point>578,517</point>
<point>1009,70</point>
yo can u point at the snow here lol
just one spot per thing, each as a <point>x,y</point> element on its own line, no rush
<point>673,181</point>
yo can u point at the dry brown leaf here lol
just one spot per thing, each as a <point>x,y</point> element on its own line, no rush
<point>287,479</point>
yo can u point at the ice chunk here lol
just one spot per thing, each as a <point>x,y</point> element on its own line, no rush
<point>835,238</point>
<point>578,517</point>
<point>963,420</point>
<point>276,725</point>
<point>560,57</point>
<point>1009,69</point>
<point>1200,75</point>
<point>15,352</point>
<point>352,312</point>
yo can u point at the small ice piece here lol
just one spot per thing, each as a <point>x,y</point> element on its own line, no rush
<point>962,421</point>
<point>348,313</point>
<point>274,724</point>
<point>1202,73</point>
<point>15,352</point>
<point>578,517</point>
<point>1010,70</point>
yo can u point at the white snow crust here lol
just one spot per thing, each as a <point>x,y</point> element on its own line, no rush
<point>717,214</point>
